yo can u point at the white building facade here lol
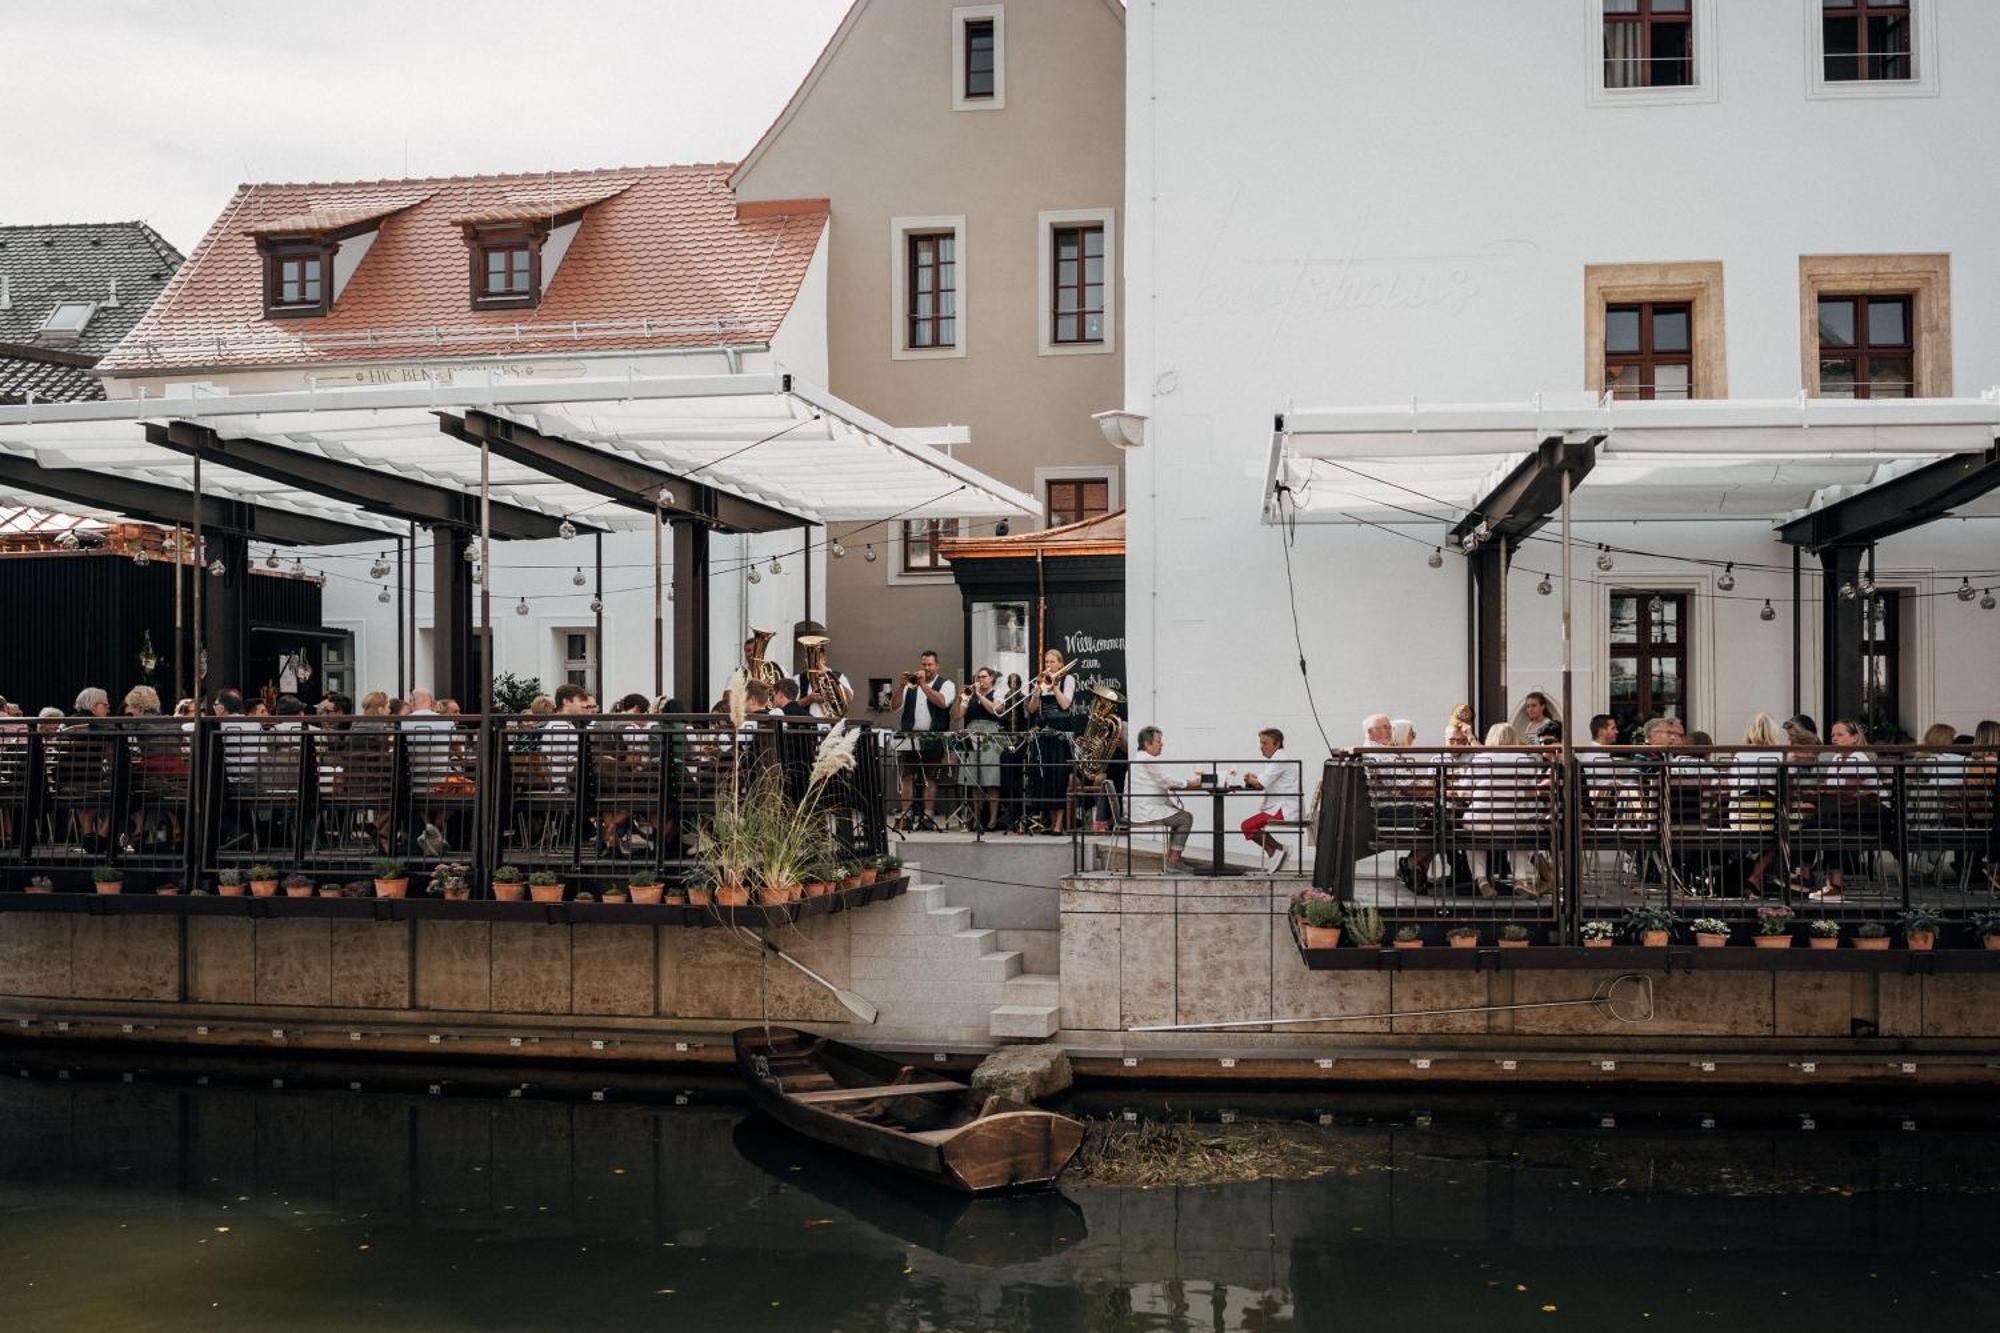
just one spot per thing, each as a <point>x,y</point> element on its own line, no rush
<point>1335,204</point>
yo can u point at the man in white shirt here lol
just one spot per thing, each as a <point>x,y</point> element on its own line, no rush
<point>926,705</point>
<point>1150,797</point>
<point>1279,781</point>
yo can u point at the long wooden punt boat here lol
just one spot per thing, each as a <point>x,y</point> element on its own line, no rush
<point>868,1104</point>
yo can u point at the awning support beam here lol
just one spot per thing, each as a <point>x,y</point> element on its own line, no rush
<point>1531,494</point>
<point>169,507</point>
<point>1898,505</point>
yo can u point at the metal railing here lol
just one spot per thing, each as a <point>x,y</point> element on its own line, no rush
<point>595,798</point>
<point>1132,833</point>
<point>989,781</point>
<point>1514,835</point>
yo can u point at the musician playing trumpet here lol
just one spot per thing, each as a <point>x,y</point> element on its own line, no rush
<point>927,699</point>
<point>1050,696</point>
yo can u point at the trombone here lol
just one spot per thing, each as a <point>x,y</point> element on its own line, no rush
<point>1031,690</point>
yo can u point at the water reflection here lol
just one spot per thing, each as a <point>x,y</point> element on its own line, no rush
<point>136,1206</point>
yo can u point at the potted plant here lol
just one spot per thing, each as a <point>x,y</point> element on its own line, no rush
<point>451,880</point>
<point>229,883</point>
<point>1363,925</point>
<point>1988,926</point>
<point>676,894</point>
<point>1823,933</point>
<point>359,888</point>
<point>1408,937</point>
<point>865,873</point>
<point>820,872</point>
<point>168,889</point>
<point>1774,927</point>
<point>510,884</point>
<point>646,888</point>
<point>1318,914</point>
<point>700,889</point>
<point>108,879</point>
<point>1463,937</point>
<point>391,879</point>
<point>298,886</point>
<point>891,867</point>
<point>850,876</point>
<point>1710,932</point>
<point>613,893</point>
<point>1653,927</point>
<point>41,884</point>
<point>333,888</point>
<point>544,887</point>
<point>1920,927</point>
<point>1599,934</point>
<point>1513,935</point>
<point>263,881</point>
<point>1871,935</point>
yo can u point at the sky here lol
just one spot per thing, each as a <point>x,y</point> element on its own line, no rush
<point>158,110</point>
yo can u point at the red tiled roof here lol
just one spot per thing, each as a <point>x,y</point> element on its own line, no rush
<point>332,217</point>
<point>662,260</point>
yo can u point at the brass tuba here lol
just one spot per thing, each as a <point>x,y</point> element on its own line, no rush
<point>756,665</point>
<point>820,679</point>
<point>1098,745</point>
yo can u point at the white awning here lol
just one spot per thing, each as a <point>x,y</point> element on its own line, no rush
<point>763,437</point>
<point>1724,458</point>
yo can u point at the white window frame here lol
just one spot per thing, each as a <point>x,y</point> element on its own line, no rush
<point>558,632</point>
<point>1045,267</point>
<point>1707,68</point>
<point>1108,471</point>
<point>929,578</point>
<point>1923,51</point>
<point>959,17</point>
<point>900,231</point>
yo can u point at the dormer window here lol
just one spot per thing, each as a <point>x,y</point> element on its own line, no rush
<point>298,277</point>
<point>65,323</point>
<point>506,267</point>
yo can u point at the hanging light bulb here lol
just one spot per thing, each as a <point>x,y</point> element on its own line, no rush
<point>1769,612</point>
<point>577,578</point>
<point>1986,603</point>
<point>383,596</point>
<point>69,541</point>
<point>472,553</point>
<point>1867,586</point>
<point>776,567</point>
<point>596,607</point>
<point>755,577</point>
<point>521,607</point>
<point>869,554</point>
<point>140,558</point>
<point>217,568</point>
<point>665,498</point>
<point>566,529</point>
<point>1545,587</point>
<point>271,560</point>
<point>839,552</point>
<point>298,568</point>
<point>1966,592</point>
<point>1436,560</point>
<point>1726,581</point>
<point>1604,558</point>
<point>380,569</point>
<point>1848,592</point>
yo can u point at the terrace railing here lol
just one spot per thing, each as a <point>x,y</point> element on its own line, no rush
<point>1515,835</point>
<point>593,798</point>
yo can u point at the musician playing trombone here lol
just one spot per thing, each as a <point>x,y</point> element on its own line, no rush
<point>1049,698</point>
<point>927,699</point>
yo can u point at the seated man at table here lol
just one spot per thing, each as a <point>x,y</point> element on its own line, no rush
<point>1151,798</point>
<point>1279,781</point>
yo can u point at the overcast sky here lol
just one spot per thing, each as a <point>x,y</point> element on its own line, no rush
<point>115,111</point>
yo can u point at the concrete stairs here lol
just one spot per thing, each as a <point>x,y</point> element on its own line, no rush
<point>931,970</point>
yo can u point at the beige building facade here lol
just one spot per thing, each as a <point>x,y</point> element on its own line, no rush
<point>973,160</point>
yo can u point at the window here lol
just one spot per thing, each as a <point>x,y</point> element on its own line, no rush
<point>1865,40</point>
<point>1648,43</point>
<point>66,322</point>
<point>932,290</point>
<point>1073,499</point>
<point>1875,326</point>
<point>978,58</point>
<point>579,656</point>
<point>1078,311</point>
<point>920,545</point>
<point>1648,350</point>
<point>1866,347</point>
<point>1648,671</point>
<point>1881,662</point>
<point>506,268</point>
<point>298,278</point>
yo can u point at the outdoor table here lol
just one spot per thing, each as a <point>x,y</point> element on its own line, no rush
<point>1218,792</point>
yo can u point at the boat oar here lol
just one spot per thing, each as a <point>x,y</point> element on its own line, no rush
<point>854,1004</point>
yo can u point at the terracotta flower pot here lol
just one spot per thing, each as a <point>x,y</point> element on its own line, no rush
<point>676,898</point>
<point>1506,943</point>
<point>1596,944</point>
<point>230,890</point>
<point>866,875</point>
<point>546,893</point>
<point>1992,941</point>
<point>268,888</point>
<point>700,897</point>
<point>1409,944</point>
<point>1463,941</point>
<point>1711,941</point>
<point>167,891</point>
<point>510,891</point>
<point>1783,941</point>
<point>113,886</point>
<point>1823,941</point>
<point>1320,937</point>
<point>648,895</point>
<point>1867,942</point>
<point>819,889</point>
<point>40,888</point>
<point>302,891</point>
<point>851,882</point>
<point>329,893</point>
<point>1921,939</point>
<point>732,895</point>
<point>458,895</point>
<point>616,899</point>
<point>1653,939</point>
<point>392,888</point>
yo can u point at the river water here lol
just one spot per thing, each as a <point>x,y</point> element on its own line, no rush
<point>163,1204</point>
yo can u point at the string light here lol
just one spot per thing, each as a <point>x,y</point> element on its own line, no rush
<point>472,553</point>
<point>298,568</point>
<point>1545,587</point>
<point>839,552</point>
<point>271,560</point>
<point>1436,560</point>
<point>521,607</point>
<point>566,530</point>
<point>1987,603</point>
<point>1769,612</point>
<point>140,558</point>
<point>577,579</point>
<point>1604,558</point>
<point>755,577</point>
<point>596,607</point>
<point>217,568</point>
<point>869,554</point>
<point>383,596</point>
<point>1867,586</point>
<point>776,568</point>
<point>69,541</point>
<point>1726,581</point>
<point>1966,592</point>
<point>1848,592</point>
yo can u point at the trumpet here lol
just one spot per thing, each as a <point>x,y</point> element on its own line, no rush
<point>910,677</point>
<point>1046,680</point>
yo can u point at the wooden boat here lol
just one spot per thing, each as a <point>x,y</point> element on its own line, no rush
<point>868,1104</point>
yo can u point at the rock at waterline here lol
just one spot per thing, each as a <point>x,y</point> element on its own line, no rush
<point>1025,1074</point>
